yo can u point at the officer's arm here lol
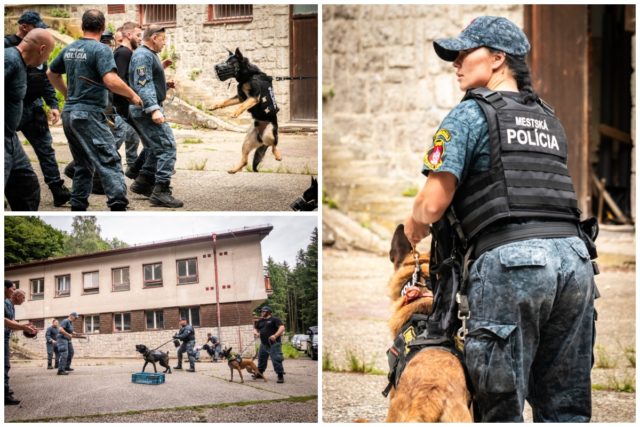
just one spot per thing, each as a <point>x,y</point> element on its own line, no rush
<point>430,204</point>
<point>49,96</point>
<point>279,332</point>
<point>65,333</point>
<point>116,85</point>
<point>58,82</point>
<point>141,80</point>
<point>15,326</point>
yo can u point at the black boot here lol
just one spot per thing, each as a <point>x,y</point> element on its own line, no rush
<point>96,187</point>
<point>70,169</point>
<point>143,184</point>
<point>133,170</point>
<point>10,400</point>
<point>60,192</point>
<point>280,379</point>
<point>161,196</point>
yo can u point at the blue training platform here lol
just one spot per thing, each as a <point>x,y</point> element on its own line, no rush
<point>147,378</point>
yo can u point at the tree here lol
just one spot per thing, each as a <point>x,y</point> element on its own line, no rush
<point>85,237</point>
<point>28,238</point>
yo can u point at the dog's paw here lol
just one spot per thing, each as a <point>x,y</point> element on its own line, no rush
<point>232,171</point>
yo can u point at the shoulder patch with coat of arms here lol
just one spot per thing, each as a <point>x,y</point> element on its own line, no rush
<point>435,154</point>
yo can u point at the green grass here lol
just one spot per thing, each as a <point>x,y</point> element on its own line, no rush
<point>197,165</point>
<point>357,364</point>
<point>621,385</point>
<point>326,200</point>
<point>630,355</point>
<point>193,141</point>
<point>289,351</point>
<point>327,363</point>
<point>193,75</point>
<point>410,192</point>
<point>59,13</point>
<point>25,143</point>
<point>603,360</point>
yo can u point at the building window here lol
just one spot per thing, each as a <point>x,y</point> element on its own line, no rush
<point>37,288</point>
<point>63,285</point>
<point>115,8</point>
<point>17,283</point>
<point>152,274</point>
<point>155,319</point>
<point>229,13</point>
<point>92,324</point>
<point>187,271</point>
<point>164,14</point>
<point>191,313</point>
<point>90,282</point>
<point>37,323</point>
<point>120,279</point>
<point>122,322</point>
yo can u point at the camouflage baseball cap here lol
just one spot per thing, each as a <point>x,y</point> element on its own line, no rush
<point>490,31</point>
<point>33,18</point>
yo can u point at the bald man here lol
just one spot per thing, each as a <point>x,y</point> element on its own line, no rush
<point>21,186</point>
<point>34,124</point>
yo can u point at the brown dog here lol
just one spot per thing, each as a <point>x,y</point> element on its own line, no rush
<point>433,386</point>
<point>238,363</point>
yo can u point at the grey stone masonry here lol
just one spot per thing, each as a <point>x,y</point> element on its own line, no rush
<point>390,92</point>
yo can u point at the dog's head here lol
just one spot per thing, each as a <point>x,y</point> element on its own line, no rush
<point>237,66</point>
<point>141,348</point>
<point>226,352</point>
<point>309,199</point>
<point>407,297</point>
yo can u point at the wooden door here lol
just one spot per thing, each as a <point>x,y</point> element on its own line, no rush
<point>559,61</point>
<point>304,61</point>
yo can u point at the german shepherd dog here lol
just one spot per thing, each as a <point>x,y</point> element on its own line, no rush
<point>237,362</point>
<point>433,385</point>
<point>255,93</point>
<point>309,199</point>
<point>153,356</point>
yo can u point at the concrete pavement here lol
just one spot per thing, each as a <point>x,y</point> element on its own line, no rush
<point>105,387</point>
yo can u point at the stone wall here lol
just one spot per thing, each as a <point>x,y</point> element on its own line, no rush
<point>199,46</point>
<point>390,92</point>
<point>633,128</point>
<point>124,344</point>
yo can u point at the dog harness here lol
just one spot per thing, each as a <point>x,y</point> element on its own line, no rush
<point>262,87</point>
<point>234,356</point>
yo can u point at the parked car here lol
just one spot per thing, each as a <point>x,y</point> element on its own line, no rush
<point>312,342</point>
<point>299,341</point>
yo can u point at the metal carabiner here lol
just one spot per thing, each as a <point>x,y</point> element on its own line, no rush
<point>416,271</point>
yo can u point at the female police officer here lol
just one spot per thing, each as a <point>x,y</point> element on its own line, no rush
<point>499,161</point>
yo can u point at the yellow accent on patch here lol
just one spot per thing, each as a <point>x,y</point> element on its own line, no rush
<point>408,335</point>
<point>442,134</point>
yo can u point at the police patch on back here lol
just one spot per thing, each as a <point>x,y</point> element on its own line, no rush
<point>531,131</point>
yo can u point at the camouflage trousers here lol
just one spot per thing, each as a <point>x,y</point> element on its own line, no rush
<point>187,347</point>
<point>125,134</point>
<point>93,148</point>
<point>34,127</point>
<point>532,330</point>
<point>159,146</point>
<point>21,187</point>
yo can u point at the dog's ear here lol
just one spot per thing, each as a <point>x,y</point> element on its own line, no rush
<point>314,181</point>
<point>400,247</point>
<point>239,54</point>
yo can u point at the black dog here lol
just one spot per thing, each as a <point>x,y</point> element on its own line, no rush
<point>309,199</point>
<point>255,93</point>
<point>153,356</point>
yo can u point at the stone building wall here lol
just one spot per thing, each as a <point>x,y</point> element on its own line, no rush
<point>124,344</point>
<point>199,46</point>
<point>390,92</point>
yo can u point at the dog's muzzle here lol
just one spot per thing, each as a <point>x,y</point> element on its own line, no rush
<point>176,343</point>
<point>300,204</point>
<point>225,71</point>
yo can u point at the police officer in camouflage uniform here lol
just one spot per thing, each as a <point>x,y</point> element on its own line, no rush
<point>147,78</point>
<point>91,73</point>
<point>188,337</point>
<point>21,187</point>
<point>34,124</point>
<point>50,338</point>
<point>531,289</point>
<point>65,346</point>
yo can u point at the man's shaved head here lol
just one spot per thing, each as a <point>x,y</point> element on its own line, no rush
<point>36,47</point>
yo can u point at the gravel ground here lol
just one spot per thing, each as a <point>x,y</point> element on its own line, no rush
<point>270,412</point>
<point>212,189</point>
<point>355,311</point>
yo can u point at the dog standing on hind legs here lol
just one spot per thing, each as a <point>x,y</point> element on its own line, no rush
<point>255,94</point>
<point>432,387</point>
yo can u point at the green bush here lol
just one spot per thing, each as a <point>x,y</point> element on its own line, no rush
<point>289,351</point>
<point>59,13</point>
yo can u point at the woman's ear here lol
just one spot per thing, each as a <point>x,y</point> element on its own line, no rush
<point>497,60</point>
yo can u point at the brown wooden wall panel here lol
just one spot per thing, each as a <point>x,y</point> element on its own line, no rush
<point>171,318</point>
<point>560,70</point>
<point>106,323</point>
<point>304,63</point>
<point>138,321</point>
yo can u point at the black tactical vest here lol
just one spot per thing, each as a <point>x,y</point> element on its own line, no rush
<point>528,177</point>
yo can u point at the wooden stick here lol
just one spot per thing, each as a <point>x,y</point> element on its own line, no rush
<point>607,197</point>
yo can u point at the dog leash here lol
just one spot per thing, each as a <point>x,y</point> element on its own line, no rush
<point>161,345</point>
<point>278,79</point>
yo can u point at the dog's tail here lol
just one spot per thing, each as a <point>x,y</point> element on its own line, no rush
<point>258,155</point>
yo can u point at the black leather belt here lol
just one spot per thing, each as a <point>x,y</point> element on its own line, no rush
<point>517,232</point>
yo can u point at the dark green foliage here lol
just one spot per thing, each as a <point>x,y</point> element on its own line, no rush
<point>28,238</point>
<point>295,292</point>
<point>85,237</point>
